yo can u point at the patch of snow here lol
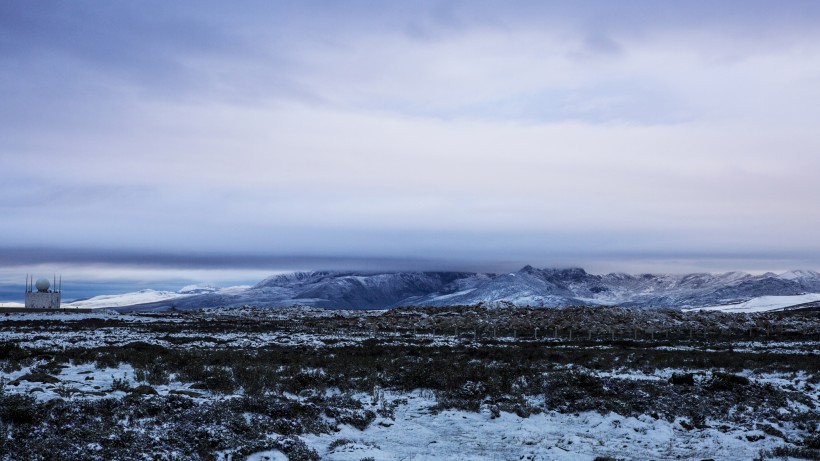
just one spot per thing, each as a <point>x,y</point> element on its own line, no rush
<point>197,288</point>
<point>452,295</point>
<point>86,382</point>
<point>271,455</point>
<point>419,433</point>
<point>235,289</point>
<point>763,304</point>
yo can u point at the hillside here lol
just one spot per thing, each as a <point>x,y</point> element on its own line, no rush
<point>528,286</point>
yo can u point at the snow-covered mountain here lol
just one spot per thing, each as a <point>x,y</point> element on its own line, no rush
<point>527,287</point>
<point>125,299</point>
<point>149,297</point>
<point>15,305</point>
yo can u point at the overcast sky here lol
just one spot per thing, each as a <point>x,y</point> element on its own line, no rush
<point>225,140</point>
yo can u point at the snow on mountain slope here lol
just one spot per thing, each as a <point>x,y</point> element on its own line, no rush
<point>149,296</point>
<point>526,287</point>
<point>806,279</point>
<point>799,275</point>
<point>125,299</point>
<point>12,305</point>
<point>764,303</point>
<point>195,289</point>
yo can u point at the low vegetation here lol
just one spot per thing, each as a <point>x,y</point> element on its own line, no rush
<point>241,400</point>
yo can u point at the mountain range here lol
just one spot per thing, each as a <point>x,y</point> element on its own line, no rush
<point>528,286</point>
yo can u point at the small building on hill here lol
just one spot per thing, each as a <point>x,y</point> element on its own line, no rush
<point>43,298</point>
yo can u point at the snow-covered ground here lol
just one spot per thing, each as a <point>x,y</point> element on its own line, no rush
<point>417,433</point>
<point>416,430</point>
<point>84,381</point>
<point>127,328</point>
<point>763,304</point>
<point>12,305</point>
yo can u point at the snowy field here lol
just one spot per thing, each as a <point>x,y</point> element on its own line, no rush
<point>415,433</point>
<point>764,304</point>
<point>306,383</point>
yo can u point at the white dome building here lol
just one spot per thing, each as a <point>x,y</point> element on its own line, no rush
<point>43,298</point>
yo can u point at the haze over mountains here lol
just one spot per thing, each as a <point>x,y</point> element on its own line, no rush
<point>527,287</point>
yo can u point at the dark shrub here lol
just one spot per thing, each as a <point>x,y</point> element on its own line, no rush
<point>794,453</point>
<point>727,382</point>
<point>37,378</point>
<point>118,384</point>
<point>359,419</point>
<point>10,350</point>
<point>155,374</point>
<point>18,409</point>
<point>219,380</point>
<point>682,379</point>
<point>143,389</point>
<point>576,391</point>
<point>812,441</point>
<point>296,449</point>
<point>771,430</point>
<point>338,443</point>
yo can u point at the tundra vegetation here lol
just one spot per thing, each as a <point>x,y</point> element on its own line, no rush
<point>227,383</point>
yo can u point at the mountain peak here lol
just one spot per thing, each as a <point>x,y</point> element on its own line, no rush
<point>197,288</point>
<point>799,274</point>
<point>554,270</point>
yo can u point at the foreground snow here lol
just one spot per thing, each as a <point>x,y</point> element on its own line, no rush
<point>417,433</point>
<point>764,304</point>
<point>406,424</point>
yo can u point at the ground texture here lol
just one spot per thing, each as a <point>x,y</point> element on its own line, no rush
<point>454,383</point>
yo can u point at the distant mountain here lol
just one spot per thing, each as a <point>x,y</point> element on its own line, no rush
<point>125,299</point>
<point>527,287</point>
<point>356,291</point>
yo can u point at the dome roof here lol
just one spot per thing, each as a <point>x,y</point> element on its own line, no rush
<point>42,285</point>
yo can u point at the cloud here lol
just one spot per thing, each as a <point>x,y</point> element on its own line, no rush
<point>469,134</point>
<point>301,178</point>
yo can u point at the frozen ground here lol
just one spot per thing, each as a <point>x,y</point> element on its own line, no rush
<point>416,430</point>
<point>267,385</point>
<point>85,381</point>
<point>417,433</point>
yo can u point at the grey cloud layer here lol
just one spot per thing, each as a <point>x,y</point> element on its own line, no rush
<point>468,131</point>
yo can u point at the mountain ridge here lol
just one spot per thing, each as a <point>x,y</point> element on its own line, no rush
<point>529,286</point>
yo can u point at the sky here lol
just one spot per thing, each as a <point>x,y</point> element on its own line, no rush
<point>164,142</point>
